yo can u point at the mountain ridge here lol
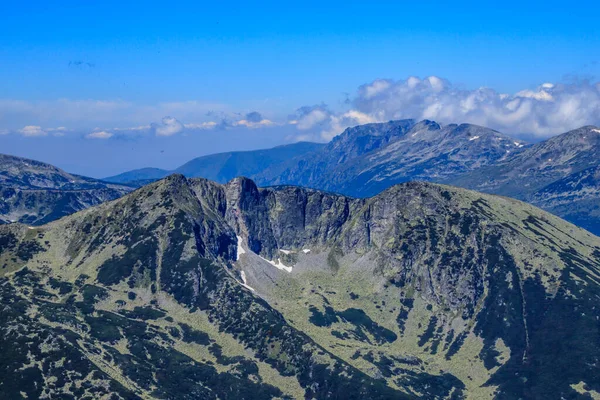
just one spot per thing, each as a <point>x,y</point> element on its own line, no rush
<point>312,294</point>
<point>367,159</point>
<point>221,167</point>
<point>35,192</point>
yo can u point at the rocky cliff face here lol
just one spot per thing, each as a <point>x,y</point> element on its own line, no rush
<point>187,289</point>
<point>35,193</point>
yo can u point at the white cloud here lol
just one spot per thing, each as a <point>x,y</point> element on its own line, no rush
<point>340,122</point>
<point>99,135</point>
<point>60,131</point>
<point>540,94</point>
<point>376,87</point>
<point>133,128</point>
<point>308,117</point>
<point>544,111</point>
<point>323,124</point>
<point>359,117</point>
<point>202,125</point>
<point>250,124</point>
<point>32,130</point>
<point>169,126</point>
<point>254,119</point>
<point>251,120</point>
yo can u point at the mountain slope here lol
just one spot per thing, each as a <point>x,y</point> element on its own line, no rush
<point>575,197</point>
<point>35,193</point>
<point>422,151</point>
<point>223,167</point>
<point>558,175</point>
<point>188,289</point>
<point>138,175</point>
<point>226,166</point>
<point>539,165</point>
<point>310,170</point>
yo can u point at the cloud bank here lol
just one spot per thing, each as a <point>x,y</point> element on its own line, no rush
<point>169,126</point>
<point>543,111</point>
<point>32,130</point>
<point>99,135</point>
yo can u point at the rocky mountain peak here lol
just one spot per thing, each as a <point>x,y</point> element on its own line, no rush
<point>427,124</point>
<point>361,139</point>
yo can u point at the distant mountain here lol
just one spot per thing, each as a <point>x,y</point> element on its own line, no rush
<point>34,192</point>
<point>537,166</point>
<point>188,289</point>
<point>223,167</point>
<point>361,162</point>
<point>575,197</point>
<point>558,175</point>
<point>422,151</point>
<point>312,169</point>
<point>138,175</point>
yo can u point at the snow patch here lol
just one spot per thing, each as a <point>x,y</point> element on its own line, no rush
<point>245,282</point>
<point>278,264</point>
<point>518,144</point>
<point>305,251</point>
<point>240,249</point>
<point>596,130</point>
<point>30,227</point>
<point>474,138</point>
<point>285,251</point>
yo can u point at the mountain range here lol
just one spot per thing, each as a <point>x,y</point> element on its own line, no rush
<point>34,193</point>
<point>414,151</point>
<point>188,289</point>
<point>222,167</point>
<point>367,159</point>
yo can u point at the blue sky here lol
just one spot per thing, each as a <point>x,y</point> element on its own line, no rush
<point>107,74</point>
